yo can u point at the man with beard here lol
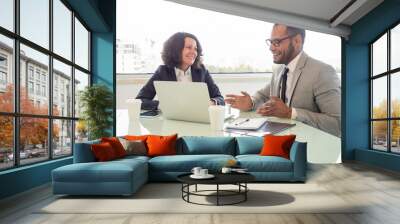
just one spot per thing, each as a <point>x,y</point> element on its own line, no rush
<point>301,88</point>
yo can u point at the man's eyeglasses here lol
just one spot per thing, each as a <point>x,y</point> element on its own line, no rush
<point>277,42</point>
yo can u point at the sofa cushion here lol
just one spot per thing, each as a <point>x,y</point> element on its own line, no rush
<point>134,147</point>
<point>136,137</point>
<point>249,145</point>
<point>83,152</point>
<point>116,145</point>
<point>277,145</point>
<point>257,163</point>
<point>185,163</point>
<point>103,152</point>
<point>117,177</point>
<point>194,145</point>
<point>133,157</point>
<point>161,145</point>
<point>112,171</point>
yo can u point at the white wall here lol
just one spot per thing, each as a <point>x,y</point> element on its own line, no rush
<point>128,86</point>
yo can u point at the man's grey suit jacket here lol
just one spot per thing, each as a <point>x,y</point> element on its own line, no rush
<point>315,94</point>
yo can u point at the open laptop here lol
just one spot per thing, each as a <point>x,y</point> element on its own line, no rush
<point>185,101</point>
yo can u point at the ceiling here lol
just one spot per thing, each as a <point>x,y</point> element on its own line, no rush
<point>326,16</point>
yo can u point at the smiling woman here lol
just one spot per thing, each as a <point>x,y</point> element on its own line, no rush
<point>182,63</point>
<point>189,53</point>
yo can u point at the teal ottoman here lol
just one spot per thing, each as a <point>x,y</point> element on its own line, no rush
<point>118,177</point>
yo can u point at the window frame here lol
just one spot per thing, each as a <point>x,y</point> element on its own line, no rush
<point>3,69</point>
<point>388,74</point>
<point>16,114</point>
<point>3,77</point>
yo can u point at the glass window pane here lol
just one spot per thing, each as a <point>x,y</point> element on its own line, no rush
<point>6,142</point>
<point>395,136</point>
<point>62,138</point>
<point>379,55</point>
<point>379,135</point>
<point>379,98</point>
<point>33,140</point>
<point>81,45</point>
<point>395,47</point>
<point>34,97</point>
<point>35,21</point>
<point>81,81</point>
<point>62,89</point>
<point>6,74</point>
<point>7,14</point>
<point>81,131</point>
<point>395,94</point>
<point>62,29</point>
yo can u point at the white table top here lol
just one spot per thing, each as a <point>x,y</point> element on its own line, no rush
<point>321,146</point>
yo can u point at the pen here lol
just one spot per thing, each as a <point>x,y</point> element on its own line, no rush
<point>242,122</point>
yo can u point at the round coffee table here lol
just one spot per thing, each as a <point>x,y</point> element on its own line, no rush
<point>238,179</point>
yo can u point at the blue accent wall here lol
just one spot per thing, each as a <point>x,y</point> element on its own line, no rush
<point>100,17</point>
<point>356,85</point>
<point>104,53</point>
<point>356,99</point>
<point>380,159</point>
<point>89,11</point>
<point>103,71</point>
<point>24,178</point>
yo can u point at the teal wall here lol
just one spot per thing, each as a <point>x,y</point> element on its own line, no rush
<point>24,178</point>
<point>381,159</point>
<point>103,71</point>
<point>356,85</point>
<point>99,16</point>
<point>356,105</point>
<point>91,12</point>
<point>104,53</point>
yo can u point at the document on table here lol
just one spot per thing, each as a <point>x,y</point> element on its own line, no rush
<point>268,127</point>
<point>247,123</point>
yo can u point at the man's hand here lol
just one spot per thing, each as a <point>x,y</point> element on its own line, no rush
<point>275,107</point>
<point>241,102</point>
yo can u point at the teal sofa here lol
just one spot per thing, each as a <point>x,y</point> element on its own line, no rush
<point>125,176</point>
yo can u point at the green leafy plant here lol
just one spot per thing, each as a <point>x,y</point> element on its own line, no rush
<point>96,102</point>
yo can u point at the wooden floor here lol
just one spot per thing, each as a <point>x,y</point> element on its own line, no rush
<point>377,188</point>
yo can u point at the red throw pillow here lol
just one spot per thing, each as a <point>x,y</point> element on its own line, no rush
<point>116,145</point>
<point>103,151</point>
<point>277,145</point>
<point>161,145</point>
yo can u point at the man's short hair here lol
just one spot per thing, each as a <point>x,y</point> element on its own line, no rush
<point>294,31</point>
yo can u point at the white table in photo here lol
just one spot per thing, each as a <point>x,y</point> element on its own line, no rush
<point>322,147</point>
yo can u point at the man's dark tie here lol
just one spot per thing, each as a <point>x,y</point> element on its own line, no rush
<point>283,84</point>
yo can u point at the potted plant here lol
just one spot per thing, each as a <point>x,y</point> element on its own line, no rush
<point>96,102</point>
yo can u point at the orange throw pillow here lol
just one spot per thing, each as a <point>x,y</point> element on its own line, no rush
<point>136,137</point>
<point>116,145</point>
<point>161,145</point>
<point>103,152</point>
<point>277,145</point>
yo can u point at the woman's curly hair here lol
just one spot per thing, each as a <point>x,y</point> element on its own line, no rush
<point>172,50</point>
